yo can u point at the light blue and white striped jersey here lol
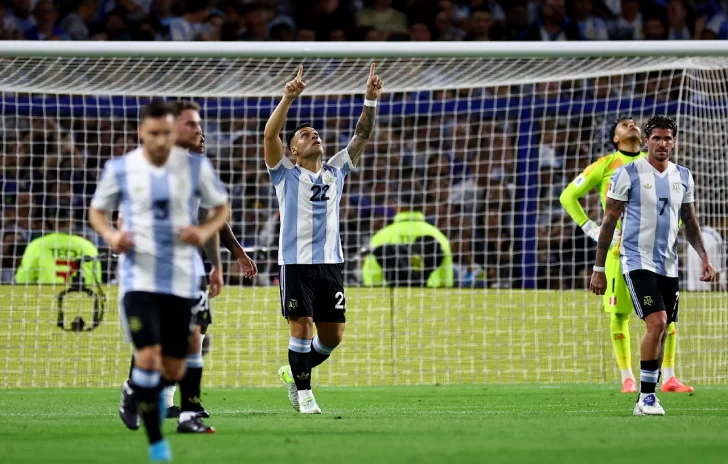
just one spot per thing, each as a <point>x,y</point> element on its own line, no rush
<point>309,207</point>
<point>652,214</point>
<point>156,203</point>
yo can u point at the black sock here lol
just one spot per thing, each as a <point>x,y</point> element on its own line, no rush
<point>299,358</point>
<point>319,352</point>
<point>131,369</point>
<point>649,373</point>
<point>189,386</point>
<point>147,393</point>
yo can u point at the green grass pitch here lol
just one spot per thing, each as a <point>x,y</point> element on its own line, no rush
<point>415,424</point>
<point>422,376</point>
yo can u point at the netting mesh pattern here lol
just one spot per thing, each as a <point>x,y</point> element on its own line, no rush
<point>483,147</point>
<point>227,77</point>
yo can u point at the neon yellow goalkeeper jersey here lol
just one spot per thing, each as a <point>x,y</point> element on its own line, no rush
<point>53,259</point>
<point>598,174</point>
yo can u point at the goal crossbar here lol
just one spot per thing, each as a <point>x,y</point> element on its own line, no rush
<point>696,48</point>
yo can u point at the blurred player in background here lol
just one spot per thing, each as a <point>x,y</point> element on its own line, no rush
<point>54,258</point>
<point>158,187</point>
<point>309,253</point>
<point>189,137</point>
<point>715,247</point>
<point>627,138</point>
<point>651,195</point>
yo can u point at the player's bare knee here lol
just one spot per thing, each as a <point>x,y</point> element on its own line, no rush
<point>173,369</point>
<point>149,358</point>
<point>301,327</point>
<point>657,324</point>
<point>195,345</point>
<point>330,333</point>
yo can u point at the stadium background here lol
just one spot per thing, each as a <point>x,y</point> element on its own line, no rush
<point>486,165</point>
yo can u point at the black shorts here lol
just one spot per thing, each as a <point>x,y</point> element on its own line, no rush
<point>652,293</point>
<point>202,311</point>
<point>313,290</point>
<point>158,319</point>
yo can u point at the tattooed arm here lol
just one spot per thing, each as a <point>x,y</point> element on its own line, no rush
<point>363,132</point>
<point>692,229</point>
<point>365,127</point>
<point>227,238</point>
<point>212,247</point>
<point>612,214</point>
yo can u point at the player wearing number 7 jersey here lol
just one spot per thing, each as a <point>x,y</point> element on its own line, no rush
<point>309,252</point>
<point>651,196</point>
<point>627,138</point>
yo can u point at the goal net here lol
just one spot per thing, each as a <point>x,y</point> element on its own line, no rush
<point>481,146</point>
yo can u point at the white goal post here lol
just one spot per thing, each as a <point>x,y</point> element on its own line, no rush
<point>479,137</point>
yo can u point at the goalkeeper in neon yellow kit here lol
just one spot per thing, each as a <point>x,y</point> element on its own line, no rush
<point>627,137</point>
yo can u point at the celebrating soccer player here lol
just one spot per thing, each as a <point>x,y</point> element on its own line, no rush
<point>627,138</point>
<point>309,254</point>
<point>650,196</point>
<point>189,137</point>
<point>158,187</point>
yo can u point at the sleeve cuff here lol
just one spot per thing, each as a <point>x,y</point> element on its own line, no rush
<point>284,161</point>
<point>614,196</point>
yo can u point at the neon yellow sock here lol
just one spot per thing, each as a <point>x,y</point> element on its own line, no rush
<point>619,330</point>
<point>668,361</point>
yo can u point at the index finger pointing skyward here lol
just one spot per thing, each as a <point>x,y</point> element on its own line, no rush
<point>371,70</point>
<point>300,71</point>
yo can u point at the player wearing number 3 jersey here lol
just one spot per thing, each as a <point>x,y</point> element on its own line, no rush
<point>309,253</point>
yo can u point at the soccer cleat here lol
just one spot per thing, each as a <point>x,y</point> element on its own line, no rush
<point>629,386</point>
<point>194,425</point>
<point>202,413</point>
<point>128,410</point>
<point>673,385</point>
<point>308,403</point>
<point>284,373</point>
<point>648,406</point>
<point>173,412</point>
<point>160,451</point>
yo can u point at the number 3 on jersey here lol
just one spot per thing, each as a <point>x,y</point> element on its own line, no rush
<point>319,193</point>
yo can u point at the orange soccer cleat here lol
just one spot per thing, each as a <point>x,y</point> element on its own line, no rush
<point>629,386</point>
<point>673,385</point>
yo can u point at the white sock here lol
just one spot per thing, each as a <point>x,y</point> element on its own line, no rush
<point>303,394</point>
<point>187,415</point>
<point>627,374</point>
<point>202,339</point>
<point>642,395</point>
<point>169,396</point>
<point>668,373</point>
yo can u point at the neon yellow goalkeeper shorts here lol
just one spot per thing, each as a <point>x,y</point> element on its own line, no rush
<point>616,298</point>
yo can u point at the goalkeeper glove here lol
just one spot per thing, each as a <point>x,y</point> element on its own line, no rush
<point>592,230</point>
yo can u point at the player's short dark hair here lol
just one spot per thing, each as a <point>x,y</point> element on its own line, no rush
<point>614,128</point>
<point>660,121</point>
<point>157,109</point>
<point>292,134</point>
<point>184,105</point>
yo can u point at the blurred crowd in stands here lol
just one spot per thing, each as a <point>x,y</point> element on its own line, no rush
<point>374,20</point>
<point>461,171</point>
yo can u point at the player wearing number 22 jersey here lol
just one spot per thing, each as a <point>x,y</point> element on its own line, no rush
<point>310,257</point>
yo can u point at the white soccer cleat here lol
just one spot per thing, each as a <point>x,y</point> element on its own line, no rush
<point>284,373</point>
<point>308,403</point>
<point>648,406</point>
